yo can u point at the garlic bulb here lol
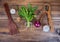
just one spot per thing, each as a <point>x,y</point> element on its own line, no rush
<point>46,28</point>
<point>12,11</point>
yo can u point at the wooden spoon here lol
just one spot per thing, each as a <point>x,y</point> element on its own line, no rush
<point>12,25</point>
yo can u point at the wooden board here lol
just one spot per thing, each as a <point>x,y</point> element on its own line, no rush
<point>12,3</point>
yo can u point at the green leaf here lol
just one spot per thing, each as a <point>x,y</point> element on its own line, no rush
<point>27,12</point>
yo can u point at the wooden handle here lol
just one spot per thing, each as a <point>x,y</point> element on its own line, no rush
<point>7,11</point>
<point>50,18</point>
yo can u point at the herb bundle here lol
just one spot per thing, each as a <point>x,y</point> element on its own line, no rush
<point>27,13</point>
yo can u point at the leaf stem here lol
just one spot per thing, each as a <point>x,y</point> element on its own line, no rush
<point>28,23</point>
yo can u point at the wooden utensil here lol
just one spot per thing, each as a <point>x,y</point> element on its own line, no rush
<point>49,17</point>
<point>12,25</point>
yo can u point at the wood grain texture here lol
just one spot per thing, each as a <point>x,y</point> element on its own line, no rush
<point>55,9</point>
<point>31,34</point>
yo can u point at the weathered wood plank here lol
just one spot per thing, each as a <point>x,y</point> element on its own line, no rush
<point>55,6</point>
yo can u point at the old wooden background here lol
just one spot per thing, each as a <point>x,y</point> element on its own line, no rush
<point>55,11</point>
